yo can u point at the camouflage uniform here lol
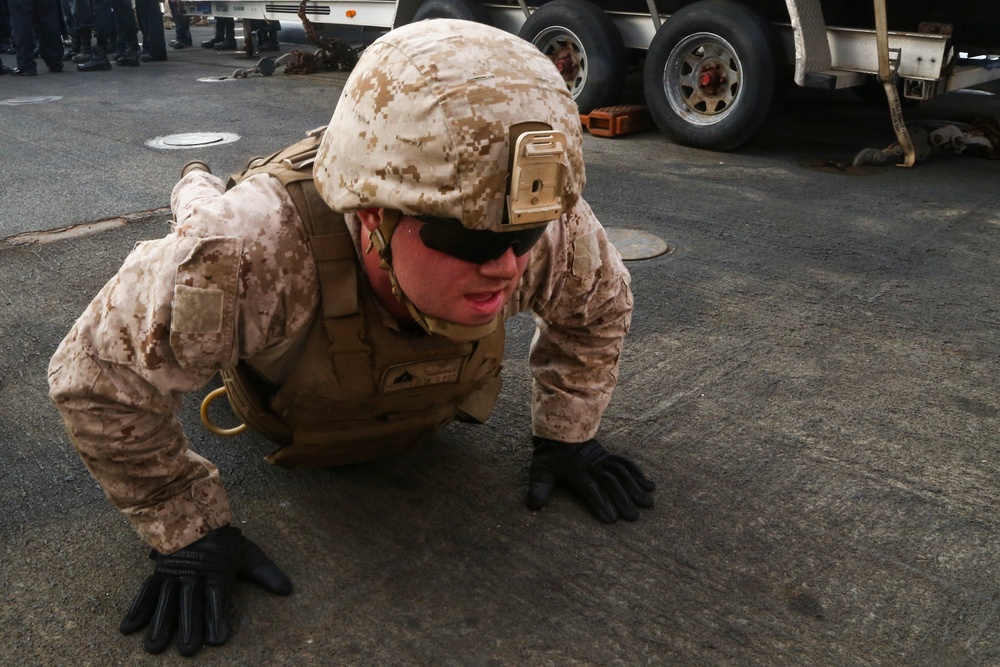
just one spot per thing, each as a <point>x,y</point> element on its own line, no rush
<point>235,279</point>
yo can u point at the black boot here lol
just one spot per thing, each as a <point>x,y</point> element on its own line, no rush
<point>220,35</point>
<point>228,42</point>
<point>86,48</point>
<point>128,59</point>
<point>267,40</point>
<point>86,53</point>
<point>98,62</point>
<point>72,49</point>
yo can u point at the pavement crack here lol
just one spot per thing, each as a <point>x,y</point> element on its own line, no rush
<point>79,230</point>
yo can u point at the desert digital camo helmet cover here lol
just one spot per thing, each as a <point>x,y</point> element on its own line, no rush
<point>425,121</point>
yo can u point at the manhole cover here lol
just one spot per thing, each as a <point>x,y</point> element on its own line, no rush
<point>633,244</point>
<point>192,140</point>
<point>16,101</point>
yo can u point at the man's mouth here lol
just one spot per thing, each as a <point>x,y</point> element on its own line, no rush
<point>485,300</point>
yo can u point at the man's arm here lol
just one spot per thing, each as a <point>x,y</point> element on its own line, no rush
<point>234,278</point>
<point>580,293</point>
<point>117,384</point>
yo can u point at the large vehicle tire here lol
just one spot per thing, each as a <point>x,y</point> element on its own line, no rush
<point>466,10</point>
<point>710,75</point>
<point>585,46</point>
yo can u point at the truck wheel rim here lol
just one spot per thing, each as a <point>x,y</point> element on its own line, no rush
<point>702,79</point>
<point>565,51</point>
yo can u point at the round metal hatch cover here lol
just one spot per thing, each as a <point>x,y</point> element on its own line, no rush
<point>17,101</point>
<point>633,244</point>
<point>192,140</point>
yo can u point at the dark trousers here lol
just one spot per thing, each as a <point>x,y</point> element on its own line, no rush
<point>31,18</point>
<point>66,9</point>
<point>83,16</point>
<point>5,33</point>
<point>150,16</point>
<point>112,15</point>
<point>225,28</point>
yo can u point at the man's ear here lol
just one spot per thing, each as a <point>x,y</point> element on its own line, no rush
<point>371,218</point>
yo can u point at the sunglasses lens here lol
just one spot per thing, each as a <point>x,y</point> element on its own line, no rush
<point>475,245</point>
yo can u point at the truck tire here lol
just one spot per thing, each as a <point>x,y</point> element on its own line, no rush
<point>466,10</point>
<point>710,75</point>
<point>585,46</point>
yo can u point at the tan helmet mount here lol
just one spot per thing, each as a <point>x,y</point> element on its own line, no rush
<point>536,174</point>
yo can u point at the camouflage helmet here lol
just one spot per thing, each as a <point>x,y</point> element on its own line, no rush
<point>428,121</point>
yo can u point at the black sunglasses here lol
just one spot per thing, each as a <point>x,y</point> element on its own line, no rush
<point>474,245</point>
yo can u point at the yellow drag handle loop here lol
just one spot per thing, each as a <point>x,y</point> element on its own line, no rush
<point>226,432</point>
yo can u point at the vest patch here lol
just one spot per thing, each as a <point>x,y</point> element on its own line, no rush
<point>421,374</point>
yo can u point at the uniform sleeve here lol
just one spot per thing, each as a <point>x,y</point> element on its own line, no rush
<point>579,291</point>
<point>179,309</point>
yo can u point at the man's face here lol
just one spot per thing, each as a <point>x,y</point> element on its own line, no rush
<point>451,289</point>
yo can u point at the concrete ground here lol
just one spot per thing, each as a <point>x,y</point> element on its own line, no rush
<point>810,379</point>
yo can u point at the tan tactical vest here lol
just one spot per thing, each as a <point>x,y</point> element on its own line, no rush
<point>358,390</point>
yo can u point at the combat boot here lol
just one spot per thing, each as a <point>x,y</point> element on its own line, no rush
<point>86,48</point>
<point>129,58</point>
<point>98,62</point>
<point>267,40</point>
<point>72,50</point>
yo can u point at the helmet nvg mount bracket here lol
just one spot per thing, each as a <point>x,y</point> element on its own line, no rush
<point>536,178</point>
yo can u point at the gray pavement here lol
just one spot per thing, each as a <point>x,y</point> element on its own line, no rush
<point>84,156</point>
<point>810,379</point>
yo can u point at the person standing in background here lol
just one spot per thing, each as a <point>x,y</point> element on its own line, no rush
<point>109,16</point>
<point>83,19</point>
<point>6,45</point>
<point>154,40</point>
<point>182,26</point>
<point>31,18</point>
<point>72,31</point>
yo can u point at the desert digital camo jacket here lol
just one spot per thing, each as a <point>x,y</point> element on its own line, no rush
<point>235,279</point>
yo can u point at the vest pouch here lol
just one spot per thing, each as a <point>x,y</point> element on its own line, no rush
<point>477,406</point>
<point>346,442</point>
<point>247,403</point>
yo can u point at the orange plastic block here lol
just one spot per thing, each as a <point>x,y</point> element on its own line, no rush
<point>617,120</point>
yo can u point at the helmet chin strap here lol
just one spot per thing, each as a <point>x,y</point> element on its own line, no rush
<point>380,239</point>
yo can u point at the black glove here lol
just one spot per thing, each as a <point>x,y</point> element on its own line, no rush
<point>189,591</point>
<point>612,485</point>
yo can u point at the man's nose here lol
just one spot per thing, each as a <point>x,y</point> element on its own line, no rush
<point>503,267</point>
